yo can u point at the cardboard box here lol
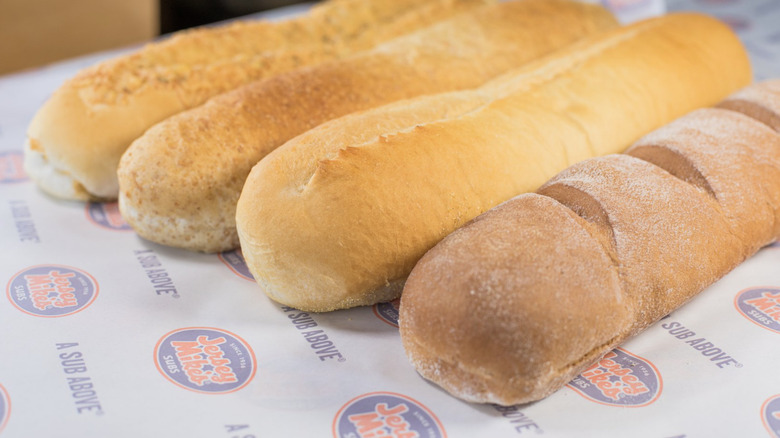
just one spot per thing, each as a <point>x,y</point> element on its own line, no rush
<point>37,32</point>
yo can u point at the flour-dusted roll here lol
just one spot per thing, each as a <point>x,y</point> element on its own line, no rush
<point>760,101</point>
<point>338,216</point>
<point>180,182</point>
<point>76,139</point>
<point>515,304</point>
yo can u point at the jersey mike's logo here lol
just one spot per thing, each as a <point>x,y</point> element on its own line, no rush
<point>204,359</point>
<point>5,408</point>
<point>770,414</point>
<point>386,414</point>
<point>11,167</point>
<point>236,262</point>
<point>760,305</point>
<point>388,312</point>
<point>51,290</point>
<point>619,379</point>
<point>106,215</point>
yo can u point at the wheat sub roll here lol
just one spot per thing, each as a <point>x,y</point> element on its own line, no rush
<point>76,139</point>
<point>180,182</point>
<point>760,101</point>
<point>338,216</point>
<point>518,302</point>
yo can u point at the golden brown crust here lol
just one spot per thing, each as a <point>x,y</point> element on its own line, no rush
<point>335,214</point>
<point>180,182</point>
<point>87,124</point>
<point>620,241</point>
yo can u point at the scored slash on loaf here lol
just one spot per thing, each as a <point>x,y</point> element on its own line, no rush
<point>515,304</point>
<point>338,216</point>
<point>76,139</point>
<point>180,182</point>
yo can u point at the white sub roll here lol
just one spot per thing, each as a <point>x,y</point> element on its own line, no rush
<point>338,216</point>
<point>515,304</point>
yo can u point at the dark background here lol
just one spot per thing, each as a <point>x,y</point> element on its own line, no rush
<point>181,14</point>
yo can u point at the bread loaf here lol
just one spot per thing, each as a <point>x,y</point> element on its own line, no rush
<point>760,101</point>
<point>76,139</point>
<point>515,304</point>
<point>180,182</point>
<point>338,216</point>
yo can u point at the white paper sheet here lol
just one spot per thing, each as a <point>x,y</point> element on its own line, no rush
<point>142,340</point>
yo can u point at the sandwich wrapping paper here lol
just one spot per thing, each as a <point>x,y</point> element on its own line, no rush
<point>105,334</point>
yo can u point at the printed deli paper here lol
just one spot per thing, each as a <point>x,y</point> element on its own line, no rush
<point>106,334</point>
